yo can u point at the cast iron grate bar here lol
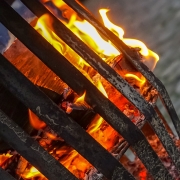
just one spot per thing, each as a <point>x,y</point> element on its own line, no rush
<point>109,74</point>
<point>105,108</point>
<point>133,58</point>
<point>58,120</point>
<point>31,150</point>
<point>5,175</point>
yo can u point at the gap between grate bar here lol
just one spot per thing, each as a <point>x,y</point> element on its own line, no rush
<point>100,104</point>
<point>108,73</point>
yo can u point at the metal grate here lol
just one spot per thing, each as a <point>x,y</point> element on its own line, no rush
<point>62,124</point>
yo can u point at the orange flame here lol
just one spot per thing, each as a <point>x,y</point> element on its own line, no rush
<point>35,121</point>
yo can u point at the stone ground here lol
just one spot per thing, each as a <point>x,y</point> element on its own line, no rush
<point>157,24</point>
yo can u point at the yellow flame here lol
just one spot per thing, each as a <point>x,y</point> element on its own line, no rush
<point>142,81</point>
<point>48,34</point>
<point>81,98</point>
<point>4,157</point>
<point>130,42</point>
<point>32,172</point>
<point>118,30</point>
<point>101,88</point>
<point>94,127</point>
<point>93,39</point>
<point>58,3</point>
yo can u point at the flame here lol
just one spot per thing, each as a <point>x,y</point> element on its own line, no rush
<point>31,173</point>
<point>101,88</point>
<point>112,27</point>
<point>81,98</point>
<point>142,81</point>
<point>130,42</point>
<point>51,136</point>
<point>94,127</point>
<point>49,35</point>
<point>4,157</point>
<point>58,3</point>
<point>94,40</point>
<point>35,121</point>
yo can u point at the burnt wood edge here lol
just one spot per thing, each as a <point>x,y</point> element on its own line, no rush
<point>66,128</point>
<point>100,104</point>
<point>132,57</point>
<point>31,150</point>
<point>5,175</point>
<point>109,74</point>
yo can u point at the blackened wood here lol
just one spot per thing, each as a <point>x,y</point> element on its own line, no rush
<point>31,150</point>
<point>80,84</point>
<point>5,175</point>
<point>66,128</point>
<point>132,57</point>
<point>109,74</point>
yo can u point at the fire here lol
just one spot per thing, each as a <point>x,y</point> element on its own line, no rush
<point>31,173</point>
<point>101,88</point>
<point>93,39</point>
<point>104,48</point>
<point>81,98</point>
<point>142,81</point>
<point>4,157</point>
<point>130,42</point>
<point>35,121</point>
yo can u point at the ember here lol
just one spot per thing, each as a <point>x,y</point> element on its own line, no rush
<point>113,80</point>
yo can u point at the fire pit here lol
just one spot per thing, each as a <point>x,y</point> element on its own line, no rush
<point>68,124</point>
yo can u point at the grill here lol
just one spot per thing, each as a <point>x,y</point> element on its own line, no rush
<point>60,122</point>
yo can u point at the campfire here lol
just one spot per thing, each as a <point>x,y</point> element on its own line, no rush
<point>87,94</point>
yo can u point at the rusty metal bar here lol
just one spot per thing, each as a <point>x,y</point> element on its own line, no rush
<point>132,57</point>
<point>107,72</point>
<point>31,150</point>
<point>5,175</point>
<point>79,83</point>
